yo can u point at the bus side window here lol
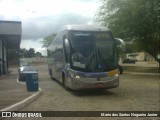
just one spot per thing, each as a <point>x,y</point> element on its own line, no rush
<point>66,48</point>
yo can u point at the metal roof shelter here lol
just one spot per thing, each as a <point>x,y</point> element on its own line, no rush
<point>10,38</point>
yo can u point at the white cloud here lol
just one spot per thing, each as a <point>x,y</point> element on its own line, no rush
<point>24,9</point>
<point>31,43</point>
<point>42,17</point>
<point>36,44</point>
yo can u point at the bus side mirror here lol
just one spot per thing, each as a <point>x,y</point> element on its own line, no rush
<point>121,44</point>
<point>67,46</point>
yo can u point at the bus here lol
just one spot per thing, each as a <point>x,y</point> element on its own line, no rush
<point>84,57</point>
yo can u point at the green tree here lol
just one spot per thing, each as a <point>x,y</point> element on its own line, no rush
<point>136,21</point>
<point>47,40</point>
<point>38,54</point>
<point>22,52</point>
<point>30,53</point>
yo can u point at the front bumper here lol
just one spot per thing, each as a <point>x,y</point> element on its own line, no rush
<point>94,82</point>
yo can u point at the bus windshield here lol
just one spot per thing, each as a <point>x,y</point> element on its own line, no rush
<point>93,51</point>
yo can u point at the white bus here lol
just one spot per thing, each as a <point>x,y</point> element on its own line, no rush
<point>84,57</point>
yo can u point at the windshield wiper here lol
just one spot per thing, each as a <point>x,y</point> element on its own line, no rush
<point>99,52</point>
<point>90,60</point>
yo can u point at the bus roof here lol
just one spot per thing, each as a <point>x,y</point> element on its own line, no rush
<point>85,28</point>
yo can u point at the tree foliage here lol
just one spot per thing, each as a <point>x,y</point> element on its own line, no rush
<point>14,54</point>
<point>47,40</point>
<point>136,21</point>
<point>30,53</point>
<point>38,54</point>
<point>27,53</point>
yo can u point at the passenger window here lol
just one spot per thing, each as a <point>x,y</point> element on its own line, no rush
<point>66,48</point>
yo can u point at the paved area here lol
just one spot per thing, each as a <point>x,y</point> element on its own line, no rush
<point>135,93</point>
<point>143,64</point>
<point>13,94</point>
<point>143,68</point>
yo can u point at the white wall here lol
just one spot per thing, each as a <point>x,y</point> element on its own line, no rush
<point>31,60</point>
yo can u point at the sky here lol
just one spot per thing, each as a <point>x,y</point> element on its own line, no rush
<point>41,18</point>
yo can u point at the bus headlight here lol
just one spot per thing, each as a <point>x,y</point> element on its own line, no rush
<point>113,73</point>
<point>77,77</point>
<point>74,75</point>
<point>116,75</point>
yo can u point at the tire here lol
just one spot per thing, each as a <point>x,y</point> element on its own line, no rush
<point>19,78</point>
<point>120,70</point>
<point>50,73</point>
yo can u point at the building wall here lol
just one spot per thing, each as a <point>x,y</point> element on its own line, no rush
<point>34,60</point>
<point>0,56</point>
<point>140,56</point>
<point>3,57</point>
<point>4,60</point>
<point>10,38</point>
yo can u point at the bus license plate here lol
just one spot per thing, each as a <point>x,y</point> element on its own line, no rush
<point>99,85</point>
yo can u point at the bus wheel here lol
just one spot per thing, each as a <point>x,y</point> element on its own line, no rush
<point>64,83</point>
<point>50,73</point>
